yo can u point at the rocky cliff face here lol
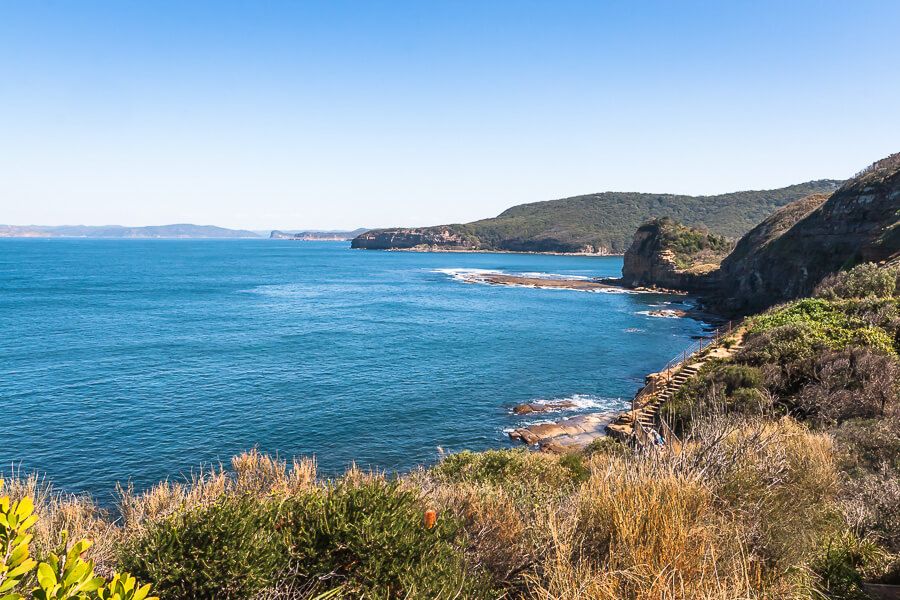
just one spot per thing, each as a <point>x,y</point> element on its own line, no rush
<point>656,259</point>
<point>787,255</point>
<point>426,238</point>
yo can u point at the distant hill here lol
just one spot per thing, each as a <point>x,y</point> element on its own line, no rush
<point>183,230</point>
<point>595,223</point>
<point>316,235</point>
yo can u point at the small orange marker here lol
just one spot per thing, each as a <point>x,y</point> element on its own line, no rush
<point>430,518</point>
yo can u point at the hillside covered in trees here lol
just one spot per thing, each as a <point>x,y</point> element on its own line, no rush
<point>595,223</point>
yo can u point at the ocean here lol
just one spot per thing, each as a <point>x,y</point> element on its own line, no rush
<point>141,360</point>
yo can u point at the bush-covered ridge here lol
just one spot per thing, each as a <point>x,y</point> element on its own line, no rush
<point>601,222</point>
<point>831,362</point>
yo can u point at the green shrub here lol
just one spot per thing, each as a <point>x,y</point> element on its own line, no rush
<point>606,446</point>
<point>225,550</point>
<point>861,281</point>
<point>369,538</point>
<point>827,322</point>
<point>575,465</point>
<point>845,561</point>
<point>782,345</point>
<point>735,377</point>
<point>65,574</point>
<point>716,387</point>
<point>505,468</point>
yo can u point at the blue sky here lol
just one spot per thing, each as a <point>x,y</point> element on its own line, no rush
<point>344,114</point>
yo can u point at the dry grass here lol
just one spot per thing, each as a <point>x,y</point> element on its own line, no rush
<point>737,514</point>
<point>251,473</point>
<point>644,530</point>
<point>59,512</point>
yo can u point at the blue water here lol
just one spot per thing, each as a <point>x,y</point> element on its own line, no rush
<point>133,360</point>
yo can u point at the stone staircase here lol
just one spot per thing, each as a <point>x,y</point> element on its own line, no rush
<point>647,414</point>
<point>574,433</point>
<point>663,386</point>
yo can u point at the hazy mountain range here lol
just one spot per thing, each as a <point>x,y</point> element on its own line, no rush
<point>181,230</point>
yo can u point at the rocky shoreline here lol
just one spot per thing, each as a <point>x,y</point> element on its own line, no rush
<point>575,433</point>
<point>450,250</point>
<point>591,285</point>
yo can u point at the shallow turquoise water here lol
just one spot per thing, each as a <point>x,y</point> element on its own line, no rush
<point>140,359</point>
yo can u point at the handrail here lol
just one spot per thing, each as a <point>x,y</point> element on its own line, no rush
<point>695,348</point>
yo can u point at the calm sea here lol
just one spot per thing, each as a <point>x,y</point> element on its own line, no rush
<point>140,360</point>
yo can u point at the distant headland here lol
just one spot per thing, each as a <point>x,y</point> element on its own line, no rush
<point>176,231</point>
<point>599,224</point>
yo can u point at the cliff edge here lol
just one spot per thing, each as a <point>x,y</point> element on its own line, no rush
<point>780,260</point>
<point>667,254</point>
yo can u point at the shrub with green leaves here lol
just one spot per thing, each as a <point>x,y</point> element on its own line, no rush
<point>505,468</point>
<point>862,281</point>
<point>226,550</point>
<point>369,538</point>
<point>64,575</point>
<point>16,518</point>
<point>844,560</point>
<point>718,386</point>
<point>823,323</point>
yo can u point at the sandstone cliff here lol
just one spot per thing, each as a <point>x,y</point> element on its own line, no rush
<point>787,255</point>
<point>666,254</point>
<point>426,238</point>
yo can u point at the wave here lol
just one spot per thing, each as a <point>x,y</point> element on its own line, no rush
<point>581,401</point>
<point>576,402</point>
<point>613,291</point>
<point>467,275</point>
<point>663,313</point>
<point>284,290</point>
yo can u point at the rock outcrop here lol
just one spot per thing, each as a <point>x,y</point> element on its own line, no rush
<point>658,257</point>
<point>787,255</point>
<point>426,238</point>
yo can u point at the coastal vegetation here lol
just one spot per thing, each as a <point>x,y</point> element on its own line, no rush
<point>691,245</point>
<point>597,223</point>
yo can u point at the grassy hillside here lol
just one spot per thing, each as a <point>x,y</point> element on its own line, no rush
<point>607,221</point>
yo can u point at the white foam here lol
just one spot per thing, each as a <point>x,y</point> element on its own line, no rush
<point>540,275</point>
<point>660,314</point>
<point>467,275</point>
<point>579,401</point>
<point>613,290</point>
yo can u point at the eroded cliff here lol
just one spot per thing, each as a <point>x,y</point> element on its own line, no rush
<point>787,255</point>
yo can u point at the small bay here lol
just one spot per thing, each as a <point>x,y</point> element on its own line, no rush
<point>138,360</point>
